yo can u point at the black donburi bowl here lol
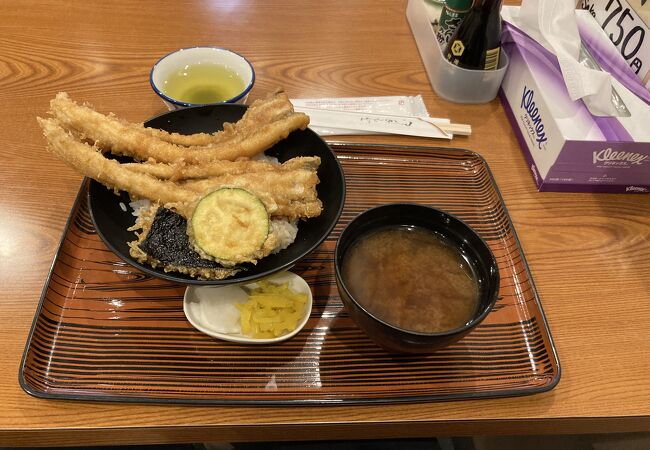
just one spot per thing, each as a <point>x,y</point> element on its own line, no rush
<point>474,249</point>
<point>112,221</point>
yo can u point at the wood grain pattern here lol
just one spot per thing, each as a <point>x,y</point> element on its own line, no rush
<point>588,254</point>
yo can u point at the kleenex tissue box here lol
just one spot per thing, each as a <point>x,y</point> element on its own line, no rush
<point>567,148</point>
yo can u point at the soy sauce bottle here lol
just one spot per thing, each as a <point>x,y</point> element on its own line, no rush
<point>452,15</point>
<point>476,44</point>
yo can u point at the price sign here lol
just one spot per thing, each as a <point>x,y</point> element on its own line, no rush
<point>626,29</point>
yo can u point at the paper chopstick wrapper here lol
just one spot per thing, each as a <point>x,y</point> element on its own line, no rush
<point>388,104</point>
<point>394,105</point>
<point>382,123</point>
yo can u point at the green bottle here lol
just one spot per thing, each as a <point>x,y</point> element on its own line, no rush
<point>451,16</point>
<point>476,44</point>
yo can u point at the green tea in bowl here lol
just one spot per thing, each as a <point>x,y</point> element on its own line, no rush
<point>201,76</point>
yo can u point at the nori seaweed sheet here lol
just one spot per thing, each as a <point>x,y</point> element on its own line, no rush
<point>167,241</point>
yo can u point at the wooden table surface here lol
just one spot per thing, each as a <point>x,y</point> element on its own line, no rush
<point>589,254</point>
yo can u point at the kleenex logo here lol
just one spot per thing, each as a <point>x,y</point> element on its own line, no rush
<point>620,158</point>
<point>635,189</point>
<point>533,118</point>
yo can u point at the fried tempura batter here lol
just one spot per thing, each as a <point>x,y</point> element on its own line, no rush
<point>171,253</point>
<point>89,162</point>
<point>179,170</point>
<point>182,171</point>
<point>287,192</point>
<point>293,192</point>
<point>273,107</point>
<point>260,128</point>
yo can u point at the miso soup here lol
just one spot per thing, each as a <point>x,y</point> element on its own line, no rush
<point>412,278</point>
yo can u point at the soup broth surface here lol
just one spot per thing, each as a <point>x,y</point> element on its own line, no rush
<point>412,278</point>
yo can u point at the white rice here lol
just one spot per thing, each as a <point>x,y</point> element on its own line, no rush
<point>139,205</point>
<point>267,158</point>
<point>286,232</point>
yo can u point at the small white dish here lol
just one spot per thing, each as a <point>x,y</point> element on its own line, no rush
<point>211,309</point>
<point>184,57</point>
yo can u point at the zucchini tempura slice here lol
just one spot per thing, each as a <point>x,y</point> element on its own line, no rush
<point>229,225</point>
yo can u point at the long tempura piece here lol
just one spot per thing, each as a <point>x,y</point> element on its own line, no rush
<point>89,162</point>
<point>289,193</point>
<point>261,111</point>
<point>202,185</point>
<point>182,171</point>
<point>294,192</point>
<point>121,137</point>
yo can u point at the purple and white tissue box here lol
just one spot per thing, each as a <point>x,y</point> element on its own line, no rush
<point>567,148</point>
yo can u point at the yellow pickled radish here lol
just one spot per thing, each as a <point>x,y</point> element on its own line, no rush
<point>271,310</point>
